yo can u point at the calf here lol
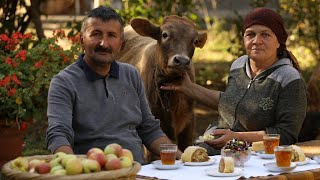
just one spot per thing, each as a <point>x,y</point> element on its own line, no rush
<point>162,54</point>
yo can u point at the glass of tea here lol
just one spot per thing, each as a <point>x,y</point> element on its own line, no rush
<point>283,155</point>
<point>168,153</point>
<point>270,141</point>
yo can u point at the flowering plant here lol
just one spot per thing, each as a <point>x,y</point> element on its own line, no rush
<point>26,69</point>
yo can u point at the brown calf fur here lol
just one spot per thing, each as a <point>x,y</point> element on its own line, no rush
<point>162,54</point>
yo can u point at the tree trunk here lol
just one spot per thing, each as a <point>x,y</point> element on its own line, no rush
<point>35,16</point>
<point>313,92</point>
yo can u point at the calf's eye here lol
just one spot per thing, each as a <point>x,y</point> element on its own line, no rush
<point>164,35</point>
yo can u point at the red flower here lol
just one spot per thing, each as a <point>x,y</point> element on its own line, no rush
<point>15,79</point>
<point>38,64</point>
<point>4,37</point>
<point>6,80</point>
<point>23,126</point>
<point>8,61</point>
<point>12,92</point>
<point>22,55</point>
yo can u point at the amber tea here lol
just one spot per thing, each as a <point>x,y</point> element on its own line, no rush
<point>168,153</point>
<point>270,141</point>
<point>283,155</point>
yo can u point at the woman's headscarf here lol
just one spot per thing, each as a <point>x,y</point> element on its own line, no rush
<point>269,18</point>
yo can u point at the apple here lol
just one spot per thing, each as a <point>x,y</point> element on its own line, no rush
<point>127,153</point>
<point>58,170</point>
<point>55,162</point>
<point>126,162</point>
<point>110,156</point>
<point>20,163</point>
<point>74,166</point>
<point>66,158</point>
<point>90,165</point>
<point>55,168</point>
<point>34,163</point>
<point>99,157</point>
<point>59,155</point>
<point>113,148</point>
<point>94,150</point>
<point>113,164</point>
<point>43,168</point>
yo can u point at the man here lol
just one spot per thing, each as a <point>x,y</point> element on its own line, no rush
<point>97,100</point>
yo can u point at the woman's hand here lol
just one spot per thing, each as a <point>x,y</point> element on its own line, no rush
<point>225,135</point>
<point>185,84</point>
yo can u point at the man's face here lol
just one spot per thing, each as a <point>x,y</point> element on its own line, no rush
<point>101,41</point>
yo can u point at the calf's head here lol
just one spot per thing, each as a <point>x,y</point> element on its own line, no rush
<point>177,39</point>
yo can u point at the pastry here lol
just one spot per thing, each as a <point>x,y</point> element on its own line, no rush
<point>297,154</point>
<point>195,154</point>
<point>257,146</point>
<point>226,165</point>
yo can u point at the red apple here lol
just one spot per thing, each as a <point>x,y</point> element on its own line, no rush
<point>113,148</point>
<point>34,163</point>
<point>94,150</point>
<point>113,164</point>
<point>99,157</point>
<point>43,168</point>
<point>127,153</point>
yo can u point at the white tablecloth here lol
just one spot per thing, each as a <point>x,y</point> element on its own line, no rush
<point>253,167</point>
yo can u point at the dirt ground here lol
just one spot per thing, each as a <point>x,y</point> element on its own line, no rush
<point>204,116</point>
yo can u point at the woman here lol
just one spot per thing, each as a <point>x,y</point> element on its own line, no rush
<point>265,91</point>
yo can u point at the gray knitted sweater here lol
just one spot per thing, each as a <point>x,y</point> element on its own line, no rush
<point>87,110</point>
<point>274,101</point>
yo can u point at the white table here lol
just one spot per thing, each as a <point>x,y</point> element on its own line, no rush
<point>253,167</point>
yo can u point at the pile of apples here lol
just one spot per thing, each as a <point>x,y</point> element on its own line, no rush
<point>111,158</point>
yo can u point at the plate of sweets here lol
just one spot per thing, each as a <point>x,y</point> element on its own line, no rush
<point>226,169</point>
<point>196,156</point>
<point>298,156</point>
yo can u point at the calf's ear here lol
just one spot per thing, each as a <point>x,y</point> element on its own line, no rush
<point>144,28</point>
<point>201,40</point>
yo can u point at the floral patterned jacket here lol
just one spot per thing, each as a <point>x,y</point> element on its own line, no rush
<point>274,101</point>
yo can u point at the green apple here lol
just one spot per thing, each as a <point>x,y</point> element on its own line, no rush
<point>90,165</point>
<point>74,166</point>
<point>66,158</point>
<point>20,163</point>
<point>56,161</point>
<point>126,162</point>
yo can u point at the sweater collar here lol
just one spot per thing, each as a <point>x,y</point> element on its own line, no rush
<point>280,62</point>
<point>92,75</point>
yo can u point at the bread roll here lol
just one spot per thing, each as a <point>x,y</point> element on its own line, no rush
<point>195,154</point>
<point>257,146</point>
<point>297,154</point>
<point>226,165</point>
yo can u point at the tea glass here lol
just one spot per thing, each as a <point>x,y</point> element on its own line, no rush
<point>270,141</point>
<point>168,153</point>
<point>283,155</point>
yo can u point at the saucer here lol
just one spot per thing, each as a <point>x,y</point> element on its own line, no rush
<point>215,172</point>
<point>262,155</point>
<point>300,163</point>
<point>158,164</point>
<point>206,163</point>
<point>274,168</point>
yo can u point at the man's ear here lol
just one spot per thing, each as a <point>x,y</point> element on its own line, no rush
<point>123,45</point>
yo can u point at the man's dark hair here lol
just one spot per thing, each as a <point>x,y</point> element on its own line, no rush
<point>105,14</point>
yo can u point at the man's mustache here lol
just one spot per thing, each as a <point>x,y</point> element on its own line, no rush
<point>101,49</point>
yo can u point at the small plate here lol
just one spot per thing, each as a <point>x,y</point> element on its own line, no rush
<point>316,158</point>
<point>274,168</point>
<point>262,155</point>
<point>158,164</point>
<point>215,172</point>
<point>206,163</point>
<point>300,163</point>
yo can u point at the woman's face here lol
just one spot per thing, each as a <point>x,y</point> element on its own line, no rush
<point>261,44</point>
